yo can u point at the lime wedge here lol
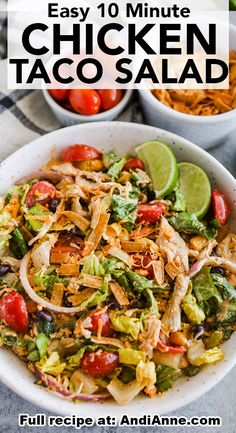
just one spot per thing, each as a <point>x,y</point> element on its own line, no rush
<point>160,164</point>
<point>195,187</point>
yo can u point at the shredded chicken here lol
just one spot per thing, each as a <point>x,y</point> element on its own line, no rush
<point>171,320</point>
<point>172,246</point>
<point>150,336</point>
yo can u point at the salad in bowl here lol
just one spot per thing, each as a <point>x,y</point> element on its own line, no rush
<point>117,272</point>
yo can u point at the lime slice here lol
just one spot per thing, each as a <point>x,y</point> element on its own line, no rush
<point>195,187</point>
<point>160,164</point>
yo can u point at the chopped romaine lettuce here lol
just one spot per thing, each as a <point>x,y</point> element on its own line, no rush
<point>226,312</point>
<point>191,370</point>
<point>52,365</point>
<point>192,310</point>
<point>42,343</point>
<point>97,297</point>
<point>146,373</point>
<point>207,357</point>
<point>123,393</point>
<point>116,168</point>
<point>225,288</point>
<point>177,199</point>
<point>131,356</point>
<point>128,325</point>
<point>37,210</point>
<point>92,266</point>
<point>214,340</point>
<point>166,376</point>
<point>74,360</point>
<point>109,158</point>
<point>189,223</point>
<point>17,244</point>
<point>124,208</point>
<point>4,241</point>
<point>204,288</point>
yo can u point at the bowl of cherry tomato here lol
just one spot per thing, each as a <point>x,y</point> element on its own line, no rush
<point>74,106</point>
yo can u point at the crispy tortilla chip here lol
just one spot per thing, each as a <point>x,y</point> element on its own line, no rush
<point>96,235</point>
<point>68,269</point>
<point>59,258</point>
<point>119,294</point>
<point>135,246</point>
<point>80,222</point>
<point>106,340</point>
<point>81,296</point>
<point>57,294</point>
<point>90,281</point>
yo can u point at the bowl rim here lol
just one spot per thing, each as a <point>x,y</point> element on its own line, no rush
<point>189,118</point>
<point>92,118</point>
<point>177,403</point>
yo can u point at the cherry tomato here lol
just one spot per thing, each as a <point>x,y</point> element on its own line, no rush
<point>170,349</point>
<point>85,101</point>
<point>59,94</point>
<point>150,212</point>
<point>133,164</point>
<point>14,312</point>
<point>42,192</point>
<point>81,152</point>
<point>110,98</point>
<point>63,244</point>
<point>106,322</point>
<point>143,262</point>
<point>220,206</point>
<point>99,364</point>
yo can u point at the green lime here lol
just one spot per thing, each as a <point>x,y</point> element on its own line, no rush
<point>160,164</point>
<point>195,187</point>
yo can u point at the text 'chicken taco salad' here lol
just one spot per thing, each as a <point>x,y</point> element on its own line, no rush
<point>117,274</point>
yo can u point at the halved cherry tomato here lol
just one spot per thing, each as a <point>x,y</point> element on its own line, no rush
<point>59,94</point>
<point>81,152</point>
<point>110,98</point>
<point>105,320</point>
<point>65,243</point>
<point>99,364</point>
<point>220,206</point>
<point>144,262</point>
<point>85,101</point>
<point>41,192</point>
<point>14,312</point>
<point>133,164</point>
<point>150,212</point>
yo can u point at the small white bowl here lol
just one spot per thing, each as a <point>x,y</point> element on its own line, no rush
<point>68,118</point>
<point>206,131</point>
<point>122,136</point>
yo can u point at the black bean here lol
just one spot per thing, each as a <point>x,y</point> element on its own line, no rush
<point>74,231</point>
<point>44,315</point>
<point>4,269</point>
<point>53,205</point>
<point>66,301</point>
<point>151,195</point>
<point>198,330</point>
<point>113,304</point>
<point>218,270</point>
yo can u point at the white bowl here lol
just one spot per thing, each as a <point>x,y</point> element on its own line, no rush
<point>68,118</point>
<point>206,131</point>
<point>123,137</point>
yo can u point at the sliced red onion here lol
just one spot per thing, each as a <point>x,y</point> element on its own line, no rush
<point>53,176</point>
<point>56,387</point>
<point>212,261</point>
<point>33,295</point>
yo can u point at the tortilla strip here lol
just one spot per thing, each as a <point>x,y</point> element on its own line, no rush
<point>172,270</point>
<point>68,269</point>
<point>119,294</point>
<point>121,255</point>
<point>96,235</point>
<point>81,296</point>
<point>59,258</point>
<point>107,340</point>
<point>135,246</point>
<point>158,269</point>
<point>57,294</point>
<point>91,281</point>
<point>80,222</point>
